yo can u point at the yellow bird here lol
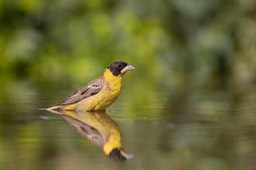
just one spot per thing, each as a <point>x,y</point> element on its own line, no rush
<point>99,93</point>
<point>100,129</point>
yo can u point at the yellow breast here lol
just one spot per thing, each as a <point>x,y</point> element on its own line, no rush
<point>107,95</point>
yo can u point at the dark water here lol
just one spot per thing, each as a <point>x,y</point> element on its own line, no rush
<point>203,132</point>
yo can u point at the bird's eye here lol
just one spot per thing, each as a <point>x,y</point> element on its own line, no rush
<point>119,65</point>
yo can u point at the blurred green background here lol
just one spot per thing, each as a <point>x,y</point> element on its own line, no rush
<point>185,45</point>
<point>195,62</point>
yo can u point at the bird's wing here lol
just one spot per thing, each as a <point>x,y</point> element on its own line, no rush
<point>88,90</point>
<point>86,130</point>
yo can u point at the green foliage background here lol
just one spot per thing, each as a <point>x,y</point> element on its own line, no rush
<point>209,44</point>
<point>178,44</point>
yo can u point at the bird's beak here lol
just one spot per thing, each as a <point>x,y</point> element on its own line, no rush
<point>127,68</point>
<point>127,155</point>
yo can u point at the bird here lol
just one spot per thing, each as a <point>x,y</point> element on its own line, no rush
<point>100,129</point>
<point>98,94</point>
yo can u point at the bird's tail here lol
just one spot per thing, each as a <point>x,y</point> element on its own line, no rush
<point>53,108</point>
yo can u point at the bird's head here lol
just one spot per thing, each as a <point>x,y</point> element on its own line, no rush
<point>118,154</point>
<point>118,68</point>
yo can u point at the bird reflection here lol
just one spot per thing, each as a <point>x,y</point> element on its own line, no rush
<point>99,128</point>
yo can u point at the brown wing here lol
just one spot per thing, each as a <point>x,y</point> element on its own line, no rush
<point>87,131</point>
<point>88,90</point>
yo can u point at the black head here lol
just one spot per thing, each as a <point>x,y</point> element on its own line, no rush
<point>116,155</point>
<point>119,68</point>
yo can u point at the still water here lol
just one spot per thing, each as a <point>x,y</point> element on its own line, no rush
<point>202,132</point>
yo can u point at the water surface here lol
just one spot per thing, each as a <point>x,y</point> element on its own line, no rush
<point>205,132</point>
